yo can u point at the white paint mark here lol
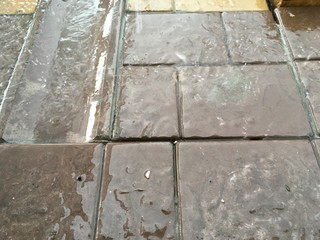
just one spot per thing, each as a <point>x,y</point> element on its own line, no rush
<point>90,125</point>
<point>100,72</point>
<point>108,24</point>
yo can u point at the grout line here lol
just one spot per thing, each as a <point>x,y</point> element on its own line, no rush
<point>116,87</point>
<point>316,152</point>
<point>179,104</point>
<point>296,76</point>
<point>96,211</point>
<point>177,203</point>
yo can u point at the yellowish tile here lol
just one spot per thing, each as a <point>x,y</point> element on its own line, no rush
<point>18,6</point>
<point>220,5</point>
<point>149,5</point>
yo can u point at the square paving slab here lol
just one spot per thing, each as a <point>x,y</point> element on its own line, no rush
<point>310,77</point>
<point>259,100</point>
<point>148,103</point>
<point>149,5</point>
<point>249,190</point>
<point>49,191</point>
<point>174,38</point>
<point>59,97</point>
<point>18,6</point>
<point>253,37</point>
<point>220,5</point>
<point>302,27</point>
<point>137,199</point>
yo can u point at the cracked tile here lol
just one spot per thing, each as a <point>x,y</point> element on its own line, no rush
<point>249,190</point>
<point>244,101</point>
<point>137,194</point>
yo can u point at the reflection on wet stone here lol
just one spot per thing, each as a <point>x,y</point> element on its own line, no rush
<point>249,190</point>
<point>137,192</point>
<point>42,195</point>
<point>241,101</point>
<point>59,96</point>
<point>174,38</point>
<point>13,30</point>
<point>253,37</point>
<point>302,27</point>
<point>147,104</point>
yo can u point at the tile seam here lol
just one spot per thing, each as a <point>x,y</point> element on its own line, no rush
<point>178,214</point>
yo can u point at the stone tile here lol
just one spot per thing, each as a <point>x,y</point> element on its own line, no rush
<point>65,87</point>
<point>310,76</point>
<point>13,30</point>
<point>220,5</point>
<point>227,101</point>
<point>302,26</point>
<point>149,5</point>
<point>18,6</point>
<point>49,191</point>
<point>148,103</point>
<point>253,37</point>
<point>249,190</point>
<point>174,38</point>
<point>137,192</point>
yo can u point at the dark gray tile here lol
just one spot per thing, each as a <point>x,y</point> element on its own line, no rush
<point>13,30</point>
<point>67,83</point>
<point>49,191</point>
<point>249,190</point>
<point>174,38</point>
<point>253,37</point>
<point>241,101</point>
<point>302,27</point>
<point>310,77</point>
<point>148,103</point>
<point>137,199</point>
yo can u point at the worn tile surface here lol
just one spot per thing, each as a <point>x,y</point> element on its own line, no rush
<point>137,192</point>
<point>174,38</point>
<point>310,77</point>
<point>148,103</point>
<point>149,5</point>
<point>48,192</point>
<point>241,101</point>
<point>13,30</point>
<point>18,6</point>
<point>220,5</point>
<point>302,26</point>
<point>249,190</point>
<point>63,86</point>
<point>253,37</point>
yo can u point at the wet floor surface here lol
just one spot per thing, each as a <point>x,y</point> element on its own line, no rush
<point>148,120</point>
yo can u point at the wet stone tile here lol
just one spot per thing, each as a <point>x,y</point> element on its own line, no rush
<point>60,95</point>
<point>302,27</point>
<point>249,190</point>
<point>149,5</point>
<point>13,30</point>
<point>310,77</point>
<point>253,37</point>
<point>148,103</point>
<point>241,101</point>
<point>137,192</point>
<point>220,5</point>
<point>174,38</point>
<point>49,191</point>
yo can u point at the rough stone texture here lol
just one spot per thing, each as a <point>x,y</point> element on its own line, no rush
<point>18,6</point>
<point>249,190</point>
<point>137,192</point>
<point>310,77</point>
<point>149,5</point>
<point>174,38</point>
<point>241,101</point>
<point>253,37</point>
<point>60,95</point>
<point>13,30</point>
<point>220,5</point>
<point>49,191</point>
<point>302,26</point>
<point>148,103</point>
